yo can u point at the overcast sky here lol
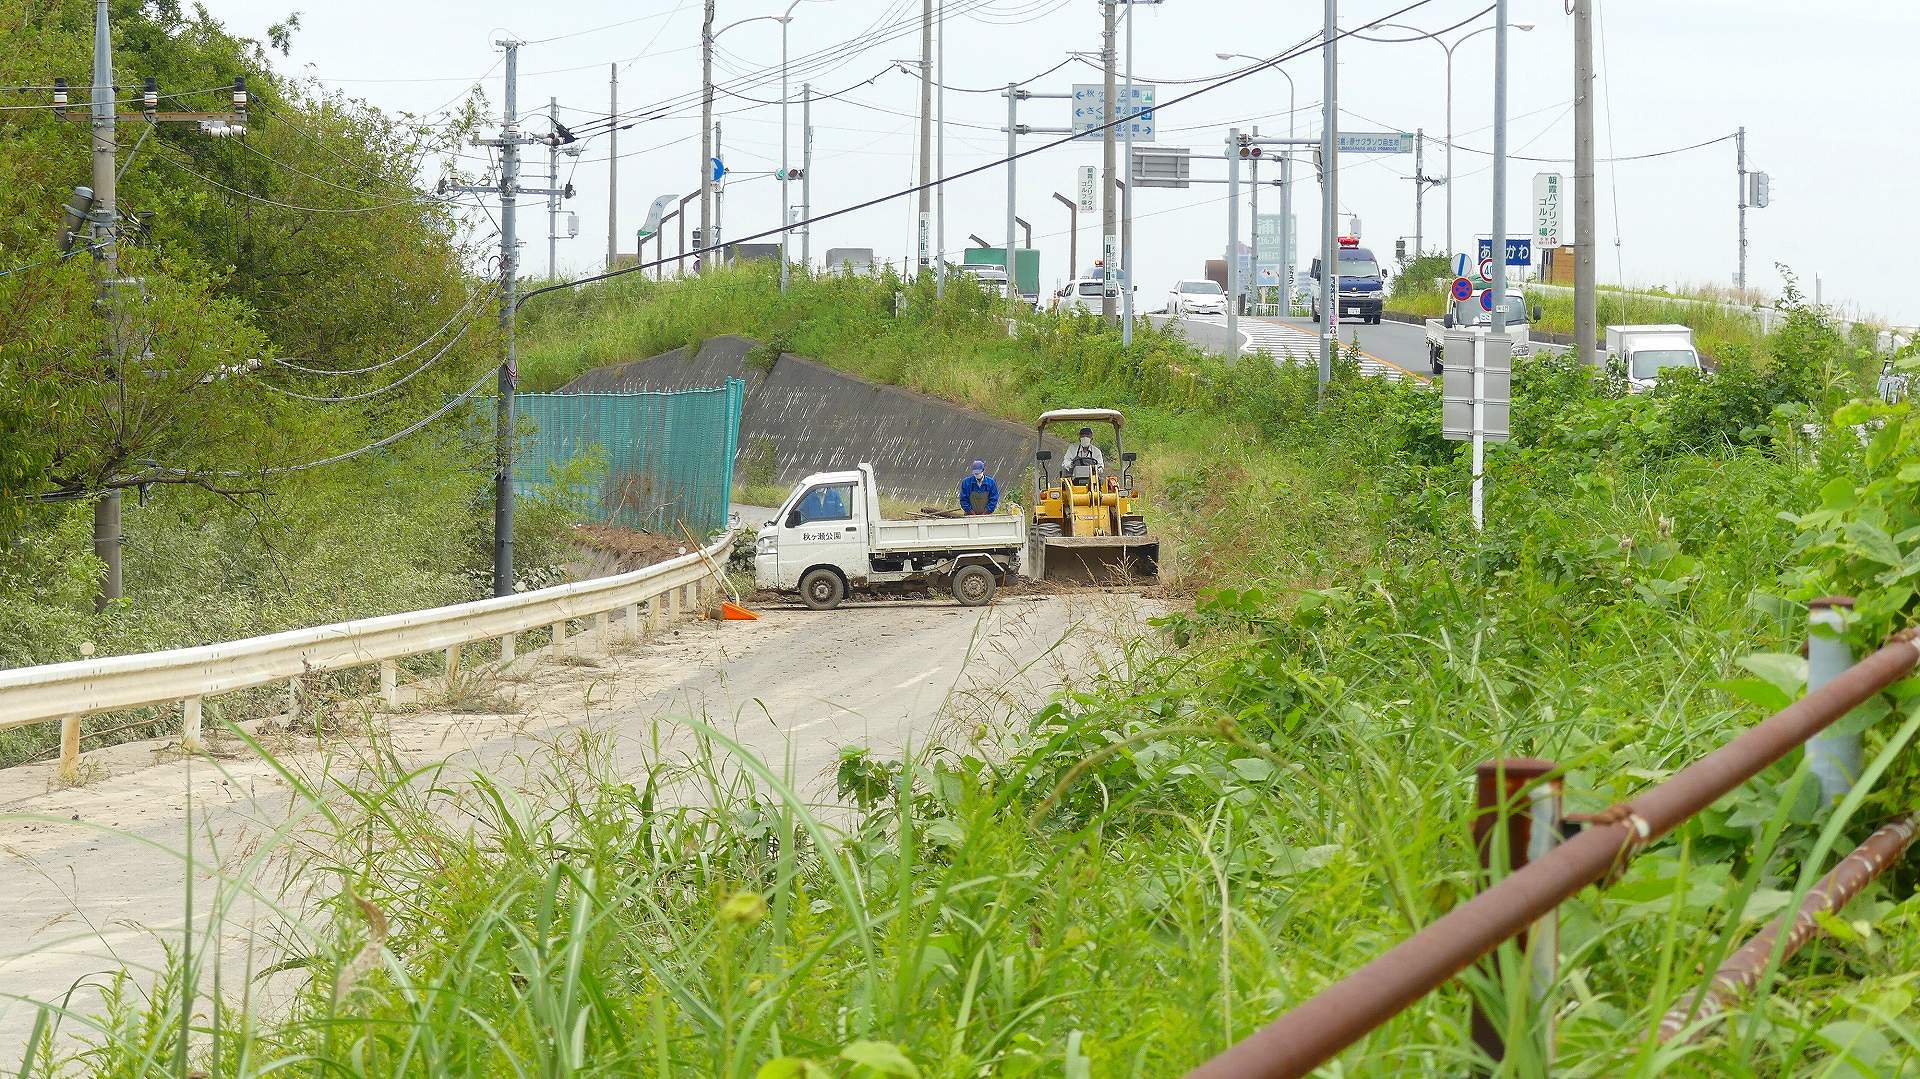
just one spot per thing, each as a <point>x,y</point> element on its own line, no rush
<point>1825,92</point>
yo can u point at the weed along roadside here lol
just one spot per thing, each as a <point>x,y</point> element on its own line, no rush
<point>1192,828</point>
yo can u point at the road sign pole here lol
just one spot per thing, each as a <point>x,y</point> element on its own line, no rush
<point>1233,241</point>
<point>1479,428</point>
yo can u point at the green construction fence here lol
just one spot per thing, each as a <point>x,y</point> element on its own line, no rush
<point>648,461</point>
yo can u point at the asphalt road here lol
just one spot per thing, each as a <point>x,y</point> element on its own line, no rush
<point>1389,350</point>
<point>96,881</point>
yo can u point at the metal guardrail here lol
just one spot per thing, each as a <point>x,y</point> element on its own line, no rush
<point>1322,1026</point>
<point>68,691</point>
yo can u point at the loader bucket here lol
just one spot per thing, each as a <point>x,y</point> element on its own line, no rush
<point>1101,560</point>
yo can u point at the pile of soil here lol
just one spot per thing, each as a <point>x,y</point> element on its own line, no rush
<point>627,548</point>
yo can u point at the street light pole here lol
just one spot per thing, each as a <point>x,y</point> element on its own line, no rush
<point>940,159</point>
<point>706,134</point>
<point>785,202</point>
<point>1288,242</point>
<point>1107,208</point>
<point>1329,195</point>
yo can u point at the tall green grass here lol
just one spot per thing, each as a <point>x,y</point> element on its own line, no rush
<point>1257,797</point>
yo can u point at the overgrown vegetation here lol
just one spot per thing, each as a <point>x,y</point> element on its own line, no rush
<point>1137,874</point>
<point>296,298</point>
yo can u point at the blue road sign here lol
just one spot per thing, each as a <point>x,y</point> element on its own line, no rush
<point>1486,300</point>
<point>1462,289</point>
<point>1519,250</point>
<point>719,169</point>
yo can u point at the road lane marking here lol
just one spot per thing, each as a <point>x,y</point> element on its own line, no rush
<point>920,678</point>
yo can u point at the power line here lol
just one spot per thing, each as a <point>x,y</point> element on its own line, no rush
<point>1299,51</point>
<point>472,301</point>
<point>422,201</point>
<point>389,387</point>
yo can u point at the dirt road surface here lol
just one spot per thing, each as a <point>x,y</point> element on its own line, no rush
<point>97,881</point>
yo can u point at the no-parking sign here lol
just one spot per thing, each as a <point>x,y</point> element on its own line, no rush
<point>1462,289</point>
<point>1486,300</point>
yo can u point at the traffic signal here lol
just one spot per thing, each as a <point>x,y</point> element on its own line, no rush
<point>1761,193</point>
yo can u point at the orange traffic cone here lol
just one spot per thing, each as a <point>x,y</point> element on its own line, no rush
<point>733,612</point>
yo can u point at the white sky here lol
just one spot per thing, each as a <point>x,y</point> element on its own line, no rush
<point>1826,92</point>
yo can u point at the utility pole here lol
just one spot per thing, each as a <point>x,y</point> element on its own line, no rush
<point>719,199</point>
<point>806,173</point>
<point>1498,328</point>
<point>553,181</point>
<point>1126,195</point>
<point>707,147</point>
<point>1740,160</point>
<point>1107,207</point>
<point>613,163</point>
<point>1585,229</point>
<point>786,200</point>
<point>940,161</point>
<point>1329,196</point>
<point>1421,181</point>
<point>510,141</point>
<point>1013,125</point>
<point>106,512</point>
<point>926,131</point>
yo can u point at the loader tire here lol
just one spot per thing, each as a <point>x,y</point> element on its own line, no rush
<point>974,586</point>
<point>822,589</point>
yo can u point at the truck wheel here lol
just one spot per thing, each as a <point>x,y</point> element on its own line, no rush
<point>974,586</point>
<point>822,589</point>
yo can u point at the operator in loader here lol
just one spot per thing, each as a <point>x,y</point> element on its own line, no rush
<point>1084,459</point>
<point>978,493</point>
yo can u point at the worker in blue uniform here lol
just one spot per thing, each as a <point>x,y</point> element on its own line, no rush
<point>978,493</point>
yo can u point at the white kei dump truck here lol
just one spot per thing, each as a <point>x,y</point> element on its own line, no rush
<point>829,539</point>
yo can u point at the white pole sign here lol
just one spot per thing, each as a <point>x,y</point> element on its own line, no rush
<point>1088,181</point>
<point>1547,210</point>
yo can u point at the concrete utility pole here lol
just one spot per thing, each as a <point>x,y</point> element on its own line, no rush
<point>106,512</point>
<point>613,164</point>
<point>1013,124</point>
<point>509,190</point>
<point>1107,208</point>
<point>1740,162</point>
<point>1497,330</point>
<point>1126,195</point>
<point>806,173</point>
<point>1329,195</point>
<point>1421,181</point>
<point>553,181</point>
<point>926,126</point>
<point>509,370</point>
<point>940,162</point>
<point>715,240</point>
<point>706,133</point>
<point>1586,230</point>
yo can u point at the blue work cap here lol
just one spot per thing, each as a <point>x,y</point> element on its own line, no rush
<point>979,466</point>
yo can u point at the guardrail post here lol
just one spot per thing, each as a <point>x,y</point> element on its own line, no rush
<point>390,684</point>
<point>655,616</point>
<point>673,604</point>
<point>190,724</point>
<point>1515,792</point>
<point>633,621</point>
<point>453,661</point>
<point>559,639</point>
<point>293,700</point>
<point>70,749</point>
<point>1834,757</point>
<point>506,648</point>
<point>603,631</point>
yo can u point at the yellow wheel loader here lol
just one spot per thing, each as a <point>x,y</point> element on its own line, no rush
<point>1087,526</point>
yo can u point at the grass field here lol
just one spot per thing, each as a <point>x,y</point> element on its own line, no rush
<point>1257,797</point>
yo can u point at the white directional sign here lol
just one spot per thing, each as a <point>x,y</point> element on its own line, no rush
<point>1376,142</point>
<point>1090,109</point>
<point>926,235</point>
<point>1088,186</point>
<point>1547,188</point>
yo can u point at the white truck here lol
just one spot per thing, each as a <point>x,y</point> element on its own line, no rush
<point>1642,352</point>
<point>1467,314</point>
<point>829,539</point>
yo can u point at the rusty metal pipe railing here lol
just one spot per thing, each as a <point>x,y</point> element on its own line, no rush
<point>1312,1033</point>
<point>1743,968</point>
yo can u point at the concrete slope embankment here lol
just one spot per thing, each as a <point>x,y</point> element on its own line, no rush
<point>802,416</point>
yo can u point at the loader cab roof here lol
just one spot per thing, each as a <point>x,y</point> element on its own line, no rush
<point>1082,415</point>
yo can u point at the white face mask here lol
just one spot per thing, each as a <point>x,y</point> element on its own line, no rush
<point>1086,443</point>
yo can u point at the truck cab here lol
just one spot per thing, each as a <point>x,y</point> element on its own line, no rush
<point>829,540</point>
<point>1643,353</point>
<point>1469,315</point>
<point>1361,287</point>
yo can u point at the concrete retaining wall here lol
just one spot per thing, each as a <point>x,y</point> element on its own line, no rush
<point>812,418</point>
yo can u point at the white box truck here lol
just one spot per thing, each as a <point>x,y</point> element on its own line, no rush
<point>1642,352</point>
<point>829,539</point>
